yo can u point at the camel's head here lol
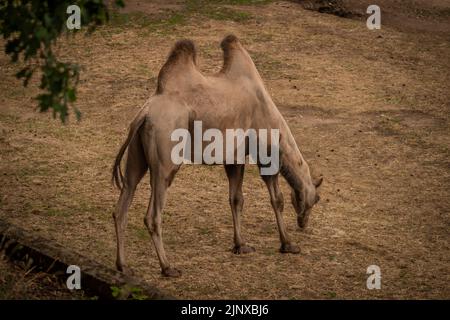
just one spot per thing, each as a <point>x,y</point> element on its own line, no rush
<point>304,200</point>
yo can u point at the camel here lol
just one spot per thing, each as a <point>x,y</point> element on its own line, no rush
<point>235,97</point>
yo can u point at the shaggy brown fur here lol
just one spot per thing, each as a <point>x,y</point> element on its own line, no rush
<point>183,51</point>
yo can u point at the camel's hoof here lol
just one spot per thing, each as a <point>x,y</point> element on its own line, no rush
<point>243,249</point>
<point>171,272</point>
<point>289,248</point>
<point>126,270</point>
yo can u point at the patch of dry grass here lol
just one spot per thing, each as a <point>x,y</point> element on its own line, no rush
<point>18,283</point>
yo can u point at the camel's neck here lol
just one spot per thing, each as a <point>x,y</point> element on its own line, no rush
<point>293,167</point>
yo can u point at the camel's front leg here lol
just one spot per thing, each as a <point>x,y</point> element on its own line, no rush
<point>235,174</point>
<point>160,184</point>
<point>276,199</point>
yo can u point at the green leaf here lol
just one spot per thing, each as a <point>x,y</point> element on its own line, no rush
<point>71,95</point>
<point>30,29</point>
<point>115,291</point>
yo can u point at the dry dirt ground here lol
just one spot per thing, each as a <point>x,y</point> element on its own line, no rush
<point>369,110</point>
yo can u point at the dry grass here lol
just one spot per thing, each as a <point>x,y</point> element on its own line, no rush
<point>18,282</point>
<point>369,110</point>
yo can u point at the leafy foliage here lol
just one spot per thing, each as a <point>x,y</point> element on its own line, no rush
<point>31,28</point>
<point>126,292</point>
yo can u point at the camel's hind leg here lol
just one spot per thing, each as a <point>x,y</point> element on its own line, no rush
<point>136,167</point>
<point>162,171</point>
<point>161,179</point>
<point>168,115</point>
<point>235,174</point>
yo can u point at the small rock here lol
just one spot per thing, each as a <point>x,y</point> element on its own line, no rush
<point>37,182</point>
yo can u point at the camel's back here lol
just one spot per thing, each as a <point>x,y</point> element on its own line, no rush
<point>235,97</point>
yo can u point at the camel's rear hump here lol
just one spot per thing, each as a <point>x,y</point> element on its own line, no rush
<point>181,63</point>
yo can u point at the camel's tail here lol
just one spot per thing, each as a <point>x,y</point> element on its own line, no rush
<point>117,176</point>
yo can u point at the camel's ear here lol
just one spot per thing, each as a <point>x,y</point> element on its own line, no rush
<point>318,182</point>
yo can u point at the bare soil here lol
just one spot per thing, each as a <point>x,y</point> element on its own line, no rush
<point>369,110</point>
<point>410,16</point>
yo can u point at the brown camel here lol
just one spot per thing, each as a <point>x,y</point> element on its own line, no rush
<point>233,98</point>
